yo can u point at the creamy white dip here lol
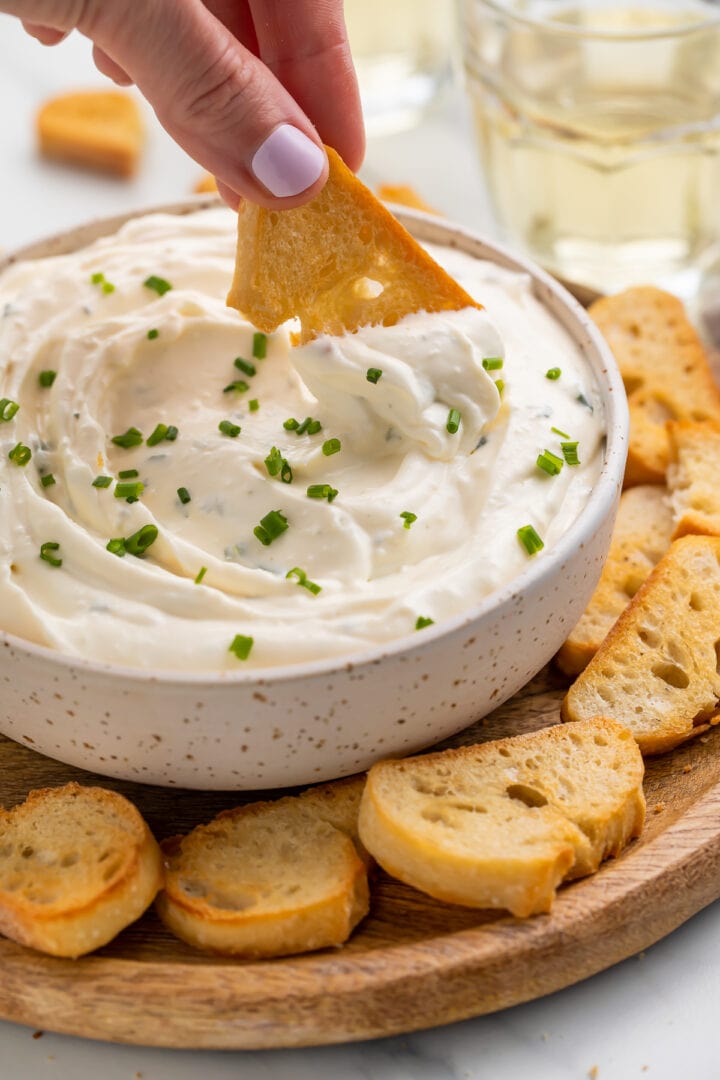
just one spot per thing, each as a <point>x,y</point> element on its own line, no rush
<point>470,491</point>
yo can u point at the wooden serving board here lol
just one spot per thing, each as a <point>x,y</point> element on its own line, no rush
<point>412,963</point>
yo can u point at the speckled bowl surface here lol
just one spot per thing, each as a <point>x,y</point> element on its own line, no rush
<point>315,721</point>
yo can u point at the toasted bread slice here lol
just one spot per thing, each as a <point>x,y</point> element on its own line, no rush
<point>657,670</point>
<point>665,369</point>
<point>694,477</point>
<point>404,195</point>
<point>97,129</point>
<point>340,262</point>
<point>642,535</point>
<point>501,824</point>
<point>77,865</point>
<point>269,878</point>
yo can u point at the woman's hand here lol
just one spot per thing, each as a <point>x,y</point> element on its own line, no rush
<point>250,88</point>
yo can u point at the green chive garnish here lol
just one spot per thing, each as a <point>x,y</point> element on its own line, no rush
<point>409,517</point>
<point>245,366</point>
<point>8,408</point>
<point>97,278</point>
<point>200,575</point>
<point>46,553</point>
<point>530,539</point>
<point>313,427</point>
<point>271,526</point>
<point>239,386</point>
<point>102,482</point>
<point>140,541</point>
<point>553,373</point>
<point>152,334</point>
<point>130,490</point>
<point>570,453</point>
<point>373,374</point>
<point>549,463</point>
<point>183,495</point>
<point>132,437</point>
<point>241,646</point>
<point>157,436</point>
<point>321,491</point>
<point>228,428</point>
<point>128,474</point>
<point>157,284</point>
<point>453,421</point>
<point>117,547</point>
<point>423,621</point>
<point>48,481</point>
<point>292,424</point>
<point>259,346</point>
<point>500,384</point>
<point>171,434</point>
<point>47,378</point>
<point>253,405</point>
<point>492,363</point>
<point>273,462</point>
<point>562,434</point>
<point>107,287</point>
<point>20,454</point>
<point>304,580</point>
<point>331,446</point>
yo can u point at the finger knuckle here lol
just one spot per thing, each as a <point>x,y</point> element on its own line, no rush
<point>219,94</point>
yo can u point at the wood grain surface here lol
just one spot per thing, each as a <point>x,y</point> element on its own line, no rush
<point>412,963</point>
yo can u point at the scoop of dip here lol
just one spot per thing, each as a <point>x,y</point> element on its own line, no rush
<point>308,502</point>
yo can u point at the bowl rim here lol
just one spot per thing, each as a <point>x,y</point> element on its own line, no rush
<point>433,229</point>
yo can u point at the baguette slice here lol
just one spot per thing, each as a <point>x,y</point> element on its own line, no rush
<point>97,129</point>
<point>694,477</point>
<point>77,865</point>
<point>665,370</point>
<point>657,670</point>
<point>501,824</point>
<point>643,533</point>
<point>323,262</point>
<point>269,878</point>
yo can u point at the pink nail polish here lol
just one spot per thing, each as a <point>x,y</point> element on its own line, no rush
<point>288,162</point>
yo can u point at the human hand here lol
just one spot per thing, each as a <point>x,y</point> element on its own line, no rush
<point>249,88</point>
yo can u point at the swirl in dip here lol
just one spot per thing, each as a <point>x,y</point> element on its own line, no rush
<point>424,522</point>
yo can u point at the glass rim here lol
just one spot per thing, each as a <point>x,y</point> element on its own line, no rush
<point>567,29</point>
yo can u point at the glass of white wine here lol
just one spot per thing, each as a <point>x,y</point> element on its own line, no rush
<point>599,130</point>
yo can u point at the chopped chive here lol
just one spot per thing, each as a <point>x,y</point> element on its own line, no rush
<point>304,580</point>
<point>313,427</point>
<point>331,446</point>
<point>553,373</point>
<point>102,481</point>
<point>152,334</point>
<point>47,378</point>
<point>245,366</point>
<point>549,463</point>
<point>228,428</point>
<point>302,428</point>
<point>183,495</point>
<point>116,547</point>
<point>20,454</point>
<point>107,287</point>
<point>409,518</point>
<point>140,541</point>
<point>46,553</point>
<point>493,363</point>
<point>48,480</point>
<point>500,384</point>
<point>423,621</point>
<point>157,284</point>
<point>286,473</point>
<point>321,491</point>
<point>241,646</point>
<point>238,386</point>
<point>171,434</point>
<point>200,575</point>
<point>453,421</point>
<point>253,405</point>
<point>97,278</point>
<point>128,474</point>
<point>373,374</point>
<point>276,464</point>
<point>570,453</point>
<point>291,425</point>
<point>529,539</point>
<point>132,489</point>
<point>8,409</point>
<point>259,345</point>
<point>562,434</point>
<point>271,526</point>
<point>584,401</point>
<point>132,437</point>
<point>158,435</point>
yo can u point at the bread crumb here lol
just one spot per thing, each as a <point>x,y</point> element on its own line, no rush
<point>658,808</point>
<point>593,1073</point>
<point>688,768</point>
<point>38,1034</point>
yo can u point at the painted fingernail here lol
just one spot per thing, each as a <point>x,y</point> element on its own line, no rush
<point>288,162</point>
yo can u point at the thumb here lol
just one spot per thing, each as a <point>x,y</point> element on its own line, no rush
<point>215,98</point>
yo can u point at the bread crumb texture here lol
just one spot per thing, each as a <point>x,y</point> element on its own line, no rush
<point>693,477</point>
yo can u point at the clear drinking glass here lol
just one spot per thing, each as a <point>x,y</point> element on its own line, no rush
<point>402,52</point>
<point>599,129</point>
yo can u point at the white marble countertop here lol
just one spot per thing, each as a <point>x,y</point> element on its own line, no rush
<point>653,1015</point>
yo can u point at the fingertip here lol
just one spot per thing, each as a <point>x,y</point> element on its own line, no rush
<point>290,165</point>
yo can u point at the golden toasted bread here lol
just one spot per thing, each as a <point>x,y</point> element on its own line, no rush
<point>97,129</point>
<point>657,669</point>
<point>694,476</point>
<point>77,865</point>
<point>665,369</point>
<point>206,185</point>
<point>340,262</point>
<point>501,824</point>
<point>642,535</point>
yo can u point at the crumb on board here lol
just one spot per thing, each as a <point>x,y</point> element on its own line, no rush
<point>658,808</point>
<point>593,1072</point>
<point>38,1034</point>
<point>688,768</point>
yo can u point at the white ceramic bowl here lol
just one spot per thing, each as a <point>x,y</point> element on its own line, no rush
<point>314,721</point>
